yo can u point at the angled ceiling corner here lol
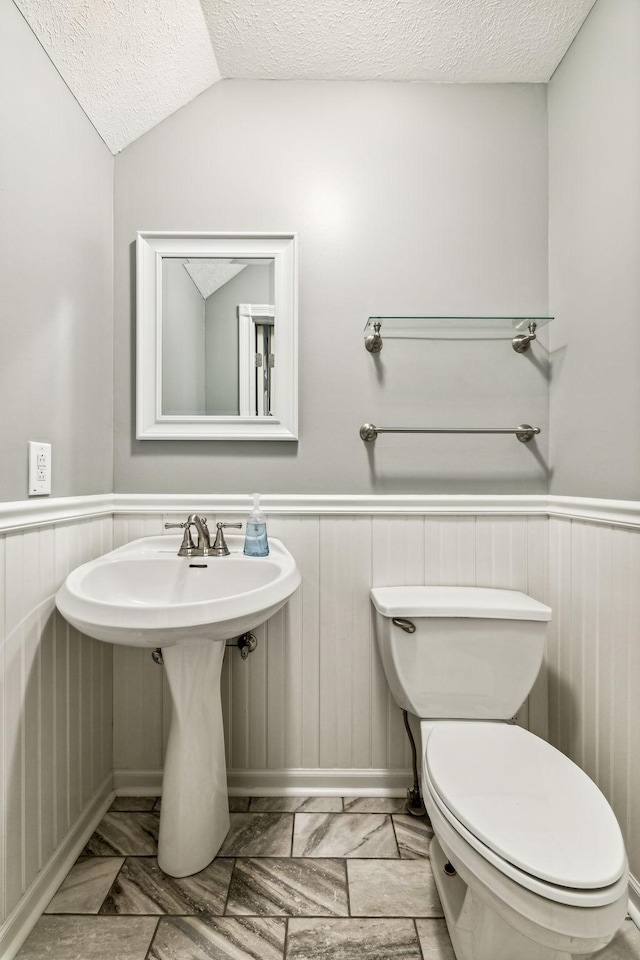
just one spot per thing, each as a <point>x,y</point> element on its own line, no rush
<point>132,63</point>
<point>128,64</point>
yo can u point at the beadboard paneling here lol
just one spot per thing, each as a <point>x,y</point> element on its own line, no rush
<point>313,696</point>
<point>56,695</point>
<point>594,660</point>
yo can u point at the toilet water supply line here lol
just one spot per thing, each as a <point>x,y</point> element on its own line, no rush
<point>415,804</point>
<point>246,644</point>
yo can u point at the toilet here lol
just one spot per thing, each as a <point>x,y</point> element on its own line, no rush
<point>527,854</point>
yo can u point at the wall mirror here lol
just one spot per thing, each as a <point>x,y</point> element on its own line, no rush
<point>217,334</point>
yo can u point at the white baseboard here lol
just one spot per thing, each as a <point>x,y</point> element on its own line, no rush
<point>281,783</point>
<point>634,900</point>
<point>28,910</point>
<point>137,783</point>
<point>319,783</point>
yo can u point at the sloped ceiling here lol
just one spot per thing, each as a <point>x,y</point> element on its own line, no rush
<point>131,63</point>
<point>210,275</point>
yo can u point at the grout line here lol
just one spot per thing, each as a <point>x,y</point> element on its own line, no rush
<point>113,883</point>
<point>395,837</point>
<point>209,915</point>
<point>226,899</point>
<point>346,882</point>
<point>415,924</point>
<point>153,937</point>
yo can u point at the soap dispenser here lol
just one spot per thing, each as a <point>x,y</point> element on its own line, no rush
<point>255,541</point>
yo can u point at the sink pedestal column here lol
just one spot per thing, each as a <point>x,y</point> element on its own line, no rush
<point>195,811</point>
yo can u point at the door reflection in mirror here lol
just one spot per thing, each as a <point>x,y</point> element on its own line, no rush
<point>256,359</point>
<point>207,366</point>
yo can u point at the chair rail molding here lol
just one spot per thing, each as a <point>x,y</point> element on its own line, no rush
<point>20,514</point>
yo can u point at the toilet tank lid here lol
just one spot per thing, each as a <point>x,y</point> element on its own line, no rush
<point>479,602</point>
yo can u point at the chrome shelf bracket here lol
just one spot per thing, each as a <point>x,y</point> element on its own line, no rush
<point>373,342</point>
<point>522,341</point>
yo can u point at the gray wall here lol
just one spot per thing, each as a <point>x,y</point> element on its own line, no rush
<point>56,241</point>
<point>594,185</point>
<point>416,198</point>
<point>183,340</point>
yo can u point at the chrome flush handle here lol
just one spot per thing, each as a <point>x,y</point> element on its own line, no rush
<point>404,624</point>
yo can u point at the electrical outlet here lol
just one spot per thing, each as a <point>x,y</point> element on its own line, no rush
<point>39,469</point>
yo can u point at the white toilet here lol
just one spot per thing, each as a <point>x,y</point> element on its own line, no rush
<point>527,855</point>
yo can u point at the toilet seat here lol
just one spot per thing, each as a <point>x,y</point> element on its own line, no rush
<point>527,809</point>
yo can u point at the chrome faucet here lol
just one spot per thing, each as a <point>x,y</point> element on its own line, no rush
<point>203,548</point>
<point>188,548</point>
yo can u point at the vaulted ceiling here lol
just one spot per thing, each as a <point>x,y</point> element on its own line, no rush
<point>131,63</point>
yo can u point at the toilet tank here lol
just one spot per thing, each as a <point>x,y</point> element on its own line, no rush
<point>474,654</point>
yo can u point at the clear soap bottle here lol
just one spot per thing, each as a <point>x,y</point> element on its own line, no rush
<point>255,541</point>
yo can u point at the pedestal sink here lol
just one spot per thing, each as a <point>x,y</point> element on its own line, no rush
<point>144,595</point>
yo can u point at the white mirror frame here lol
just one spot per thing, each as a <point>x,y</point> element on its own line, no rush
<point>151,423</point>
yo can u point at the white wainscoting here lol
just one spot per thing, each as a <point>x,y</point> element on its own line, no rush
<point>313,697</point>
<point>310,707</point>
<point>56,708</point>
<point>594,662</point>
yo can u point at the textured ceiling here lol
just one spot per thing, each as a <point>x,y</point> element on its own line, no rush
<point>131,63</point>
<point>476,41</point>
<point>210,275</point>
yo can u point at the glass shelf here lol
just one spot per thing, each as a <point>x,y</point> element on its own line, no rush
<point>452,328</point>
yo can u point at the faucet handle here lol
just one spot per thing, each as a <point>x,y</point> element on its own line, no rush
<point>220,548</point>
<point>187,547</point>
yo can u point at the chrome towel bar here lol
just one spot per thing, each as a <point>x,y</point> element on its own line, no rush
<point>524,433</point>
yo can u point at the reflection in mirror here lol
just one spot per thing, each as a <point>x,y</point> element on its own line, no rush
<point>216,338</point>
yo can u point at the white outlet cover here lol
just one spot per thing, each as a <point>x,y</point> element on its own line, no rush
<point>39,469</point>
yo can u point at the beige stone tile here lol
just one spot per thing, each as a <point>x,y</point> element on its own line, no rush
<point>434,940</point>
<point>89,938</point>
<point>288,887</point>
<point>374,804</point>
<point>624,946</point>
<point>128,834</point>
<point>414,834</point>
<point>219,938</point>
<point>296,805</point>
<point>343,835</point>
<point>392,888</point>
<point>258,835</point>
<point>86,885</point>
<point>142,888</point>
<point>133,804</point>
<point>353,939</point>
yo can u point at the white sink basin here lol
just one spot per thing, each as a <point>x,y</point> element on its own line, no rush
<point>144,595</point>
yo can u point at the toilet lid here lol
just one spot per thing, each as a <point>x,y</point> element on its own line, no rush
<point>527,802</point>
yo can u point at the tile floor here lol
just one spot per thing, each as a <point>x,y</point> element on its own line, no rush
<point>296,879</point>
